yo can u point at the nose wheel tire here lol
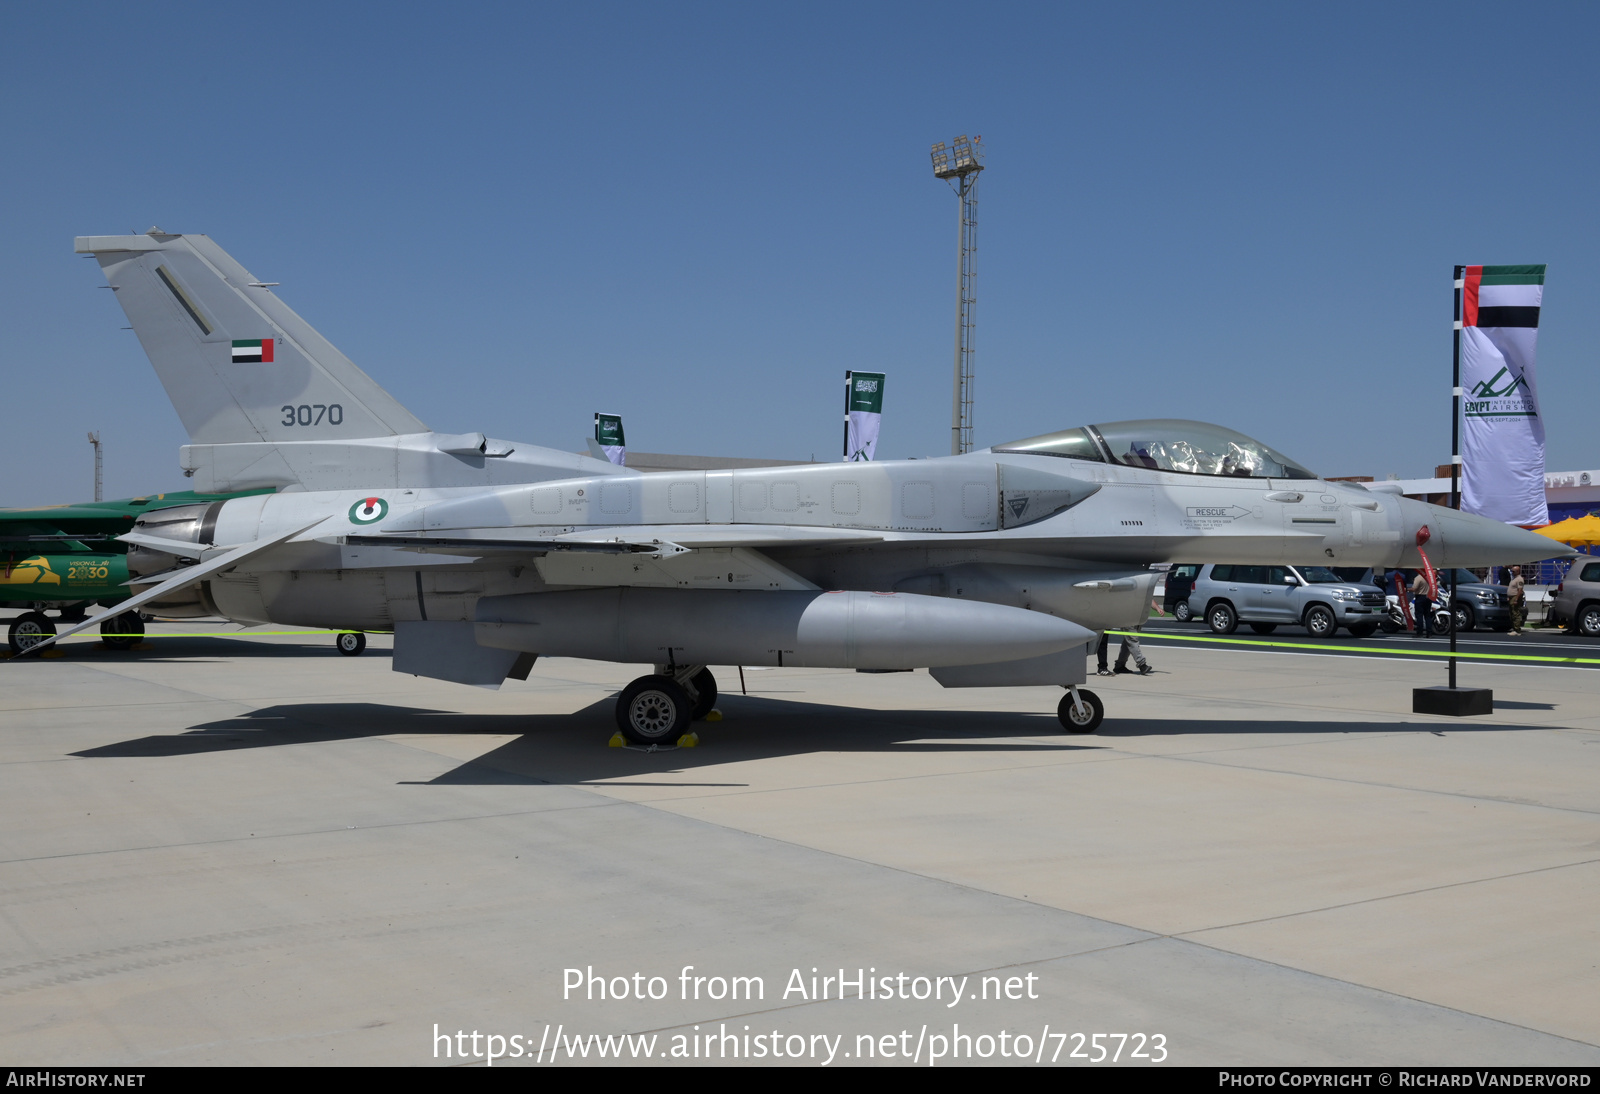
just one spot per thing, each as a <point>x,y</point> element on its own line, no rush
<point>28,630</point>
<point>1094,711</point>
<point>122,632</point>
<point>654,710</point>
<point>1320,622</point>
<point>1222,619</point>
<point>351,643</point>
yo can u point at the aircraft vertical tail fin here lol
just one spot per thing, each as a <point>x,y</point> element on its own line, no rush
<point>238,364</point>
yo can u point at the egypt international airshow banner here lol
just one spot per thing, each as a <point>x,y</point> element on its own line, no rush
<point>863,413</point>
<point>1502,437</point>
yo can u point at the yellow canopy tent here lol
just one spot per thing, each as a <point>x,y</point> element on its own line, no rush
<point>1575,531</point>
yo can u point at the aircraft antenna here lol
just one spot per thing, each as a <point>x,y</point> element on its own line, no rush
<point>99,466</point>
<point>959,166</point>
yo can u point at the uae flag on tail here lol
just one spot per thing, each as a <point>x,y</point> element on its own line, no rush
<point>1502,439</point>
<point>252,351</point>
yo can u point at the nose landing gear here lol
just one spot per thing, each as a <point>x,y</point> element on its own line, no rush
<point>1081,710</point>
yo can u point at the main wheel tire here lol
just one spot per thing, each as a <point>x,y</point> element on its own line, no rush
<point>1067,711</point>
<point>1182,612</point>
<point>1363,630</point>
<point>1221,618</point>
<point>1320,622</point>
<point>706,685</point>
<point>28,630</point>
<point>1263,628</point>
<point>350,643</point>
<point>1587,622</point>
<point>122,632</point>
<point>1465,617</point>
<point>653,710</point>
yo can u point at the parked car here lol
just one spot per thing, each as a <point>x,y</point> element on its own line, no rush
<point>1266,597</point>
<point>1577,603</point>
<point>1179,584</point>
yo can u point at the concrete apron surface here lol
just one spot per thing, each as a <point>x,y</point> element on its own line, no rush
<point>259,852</point>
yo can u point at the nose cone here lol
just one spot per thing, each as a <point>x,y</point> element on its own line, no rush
<point>1466,539</point>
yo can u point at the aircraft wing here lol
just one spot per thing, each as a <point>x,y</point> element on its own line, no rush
<point>487,541</point>
<point>679,556</point>
<point>652,539</point>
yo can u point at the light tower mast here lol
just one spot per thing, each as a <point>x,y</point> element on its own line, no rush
<point>99,466</point>
<point>959,165</point>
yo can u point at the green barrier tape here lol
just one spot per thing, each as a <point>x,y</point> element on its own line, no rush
<point>1362,649</point>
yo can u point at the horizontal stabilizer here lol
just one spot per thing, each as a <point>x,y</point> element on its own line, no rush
<point>187,577</point>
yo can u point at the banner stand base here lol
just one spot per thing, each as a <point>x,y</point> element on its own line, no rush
<point>1456,702</point>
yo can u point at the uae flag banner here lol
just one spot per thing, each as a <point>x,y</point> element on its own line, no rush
<point>252,351</point>
<point>1502,440</point>
<point>608,435</point>
<point>863,414</point>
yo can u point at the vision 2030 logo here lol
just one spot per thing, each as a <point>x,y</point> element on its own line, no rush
<point>368,511</point>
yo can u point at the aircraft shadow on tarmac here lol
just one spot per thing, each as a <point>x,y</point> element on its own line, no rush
<point>179,649</point>
<point>572,748</point>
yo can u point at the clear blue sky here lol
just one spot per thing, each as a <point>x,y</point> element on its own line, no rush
<point>699,215</point>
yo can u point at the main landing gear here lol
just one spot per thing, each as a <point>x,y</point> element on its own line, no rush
<point>657,709</point>
<point>122,632</point>
<point>351,643</point>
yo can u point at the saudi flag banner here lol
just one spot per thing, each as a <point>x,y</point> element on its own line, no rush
<point>1502,438</point>
<point>863,413</point>
<point>608,435</point>
<point>252,351</point>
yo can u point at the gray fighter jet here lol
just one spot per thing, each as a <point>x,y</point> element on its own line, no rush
<point>991,569</point>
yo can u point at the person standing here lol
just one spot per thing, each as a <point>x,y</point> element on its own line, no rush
<point>1421,607</point>
<point>1130,648</point>
<point>1517,597</point>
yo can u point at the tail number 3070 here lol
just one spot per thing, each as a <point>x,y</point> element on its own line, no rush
<point>312,414</point>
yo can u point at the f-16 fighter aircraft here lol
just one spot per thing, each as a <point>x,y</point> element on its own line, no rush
<point>993,568</point>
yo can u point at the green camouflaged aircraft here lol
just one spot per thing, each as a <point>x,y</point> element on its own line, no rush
<point>67,557</point>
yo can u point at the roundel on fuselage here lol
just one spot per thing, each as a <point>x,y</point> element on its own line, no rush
<point>369,511</point>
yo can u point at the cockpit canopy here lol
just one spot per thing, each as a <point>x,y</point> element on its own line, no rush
<point>1165,444</point>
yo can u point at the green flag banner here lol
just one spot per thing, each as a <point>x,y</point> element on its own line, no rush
<point>608,434</point>
<point>863,414</point>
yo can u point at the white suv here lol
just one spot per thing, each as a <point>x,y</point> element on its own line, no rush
<point>1266,596</point>
<point>1577,602</point>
